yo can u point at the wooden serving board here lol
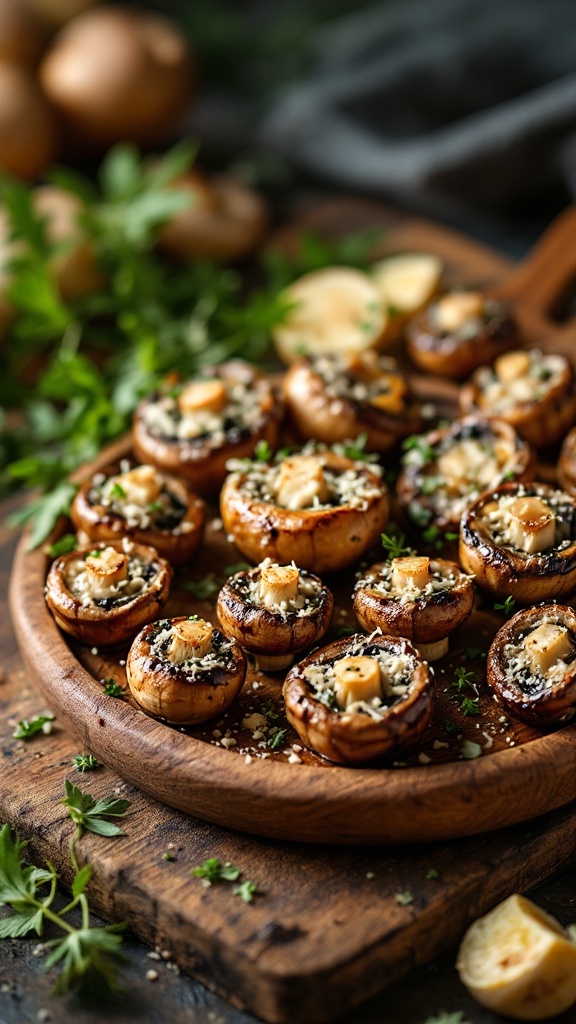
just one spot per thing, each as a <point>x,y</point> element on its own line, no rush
<point>219,774</point>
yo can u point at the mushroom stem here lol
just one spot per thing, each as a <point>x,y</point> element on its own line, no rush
<point>433,652</point>
<point>273,662</point>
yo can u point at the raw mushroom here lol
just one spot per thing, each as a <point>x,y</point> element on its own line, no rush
<point>519,541</point>
<point>414,597</point>
<point>533,391</point>
<point>140,502</point>
<point>335,398</point>
<point>184,671</point>
<point>532,665</point>
<point>275,612</point>
<point>193,429</point>
<point>103,595</point>
<point>459,332</point>
<point>360,698</point>
<point>321,510</point>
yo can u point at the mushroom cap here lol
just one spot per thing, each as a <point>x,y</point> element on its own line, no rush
<point>169,691</point>
<point>424,619</point>
<point>543,706</point>
<point>455,355</point>
<point>506,572</point>
<point>100,523</point>
<point>101,626</point>
<point>263,631</point>
<point>196,459</point>
<point>566,469</point>
<point>520,464</point>
<point>321,540</point>
<point>353,737</point>
<point>329,418</point>
<point>542,421</point>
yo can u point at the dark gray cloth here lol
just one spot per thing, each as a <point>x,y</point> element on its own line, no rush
<point>466,111</point>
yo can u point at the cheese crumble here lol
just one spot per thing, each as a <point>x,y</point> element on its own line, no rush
<point>396,668</point>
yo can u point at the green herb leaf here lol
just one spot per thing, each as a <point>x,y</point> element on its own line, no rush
<point>92,814</point>
<point>470,706</point>
<point>395,545</point>
<point>83,953</point>
<point>85,762</point>
<point>404,898</point>
<point>212,871</point>
<point>31,727</point>
<point>18,884</point>
<point>263,452</point>
<point>81,879</point>
<point>506,606</point>
<point>204,588</point>
<point>246,890</point>
<point>63,546</point>
<point>44,513</point>
<point>447,1018</point>
<point>231,570</point>
<point>112,688</point>
<point>275,737</point>
<point>432,873</point>
<point>463,677</point>
<point>418,449</point>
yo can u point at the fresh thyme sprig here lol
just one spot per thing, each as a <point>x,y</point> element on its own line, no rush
<point>506,606</point>
<point>395,545</point>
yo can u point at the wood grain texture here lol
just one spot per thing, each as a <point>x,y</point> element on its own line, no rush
<point>284,801</point>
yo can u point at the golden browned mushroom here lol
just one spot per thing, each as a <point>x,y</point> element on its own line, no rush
<point>275,611</point>
<point>184,671</point>
<point>532,665</point>
<point>336,398</point>
<point>360,698</point>
<point>460,331</point>
<point>519,541</point>
<point>406,281</point>
<point>103,595</point>
<point>421,599</point>
<point>140,502</point>
<point>115,74</point>
<point>28,129</point>
<point>320,510</point>
<point>192,430</point>
<point>446,469</point>
<point>566,469</point>
<point>224,221</point>
<point>533,391</point>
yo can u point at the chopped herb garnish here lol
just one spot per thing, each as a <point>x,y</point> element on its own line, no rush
<point>405,898</point>
<point>92,815</point>
<point>506,606</point>
<point>451,727</point>
<point>430,484</point>
<point>112,688</point>
<point>204,588</point>
<point>263,451</point>
<point>470,706</point>
<point>346,631</point>
<point>447,1018</point>
<point>117,492</point>
<point>418,514</point>
<point>463,677</point>
<point>356,450</point>
<point>421,447</point>
<point>212,871</point>
<point>474,653</point>
<point>395,545</point>
<point>432,873</point>
<point>85,762</point>
<point>275,737</point>
<point>29,727</point>
<point>246,890</point>
<point>231,570</point>
<point>96,553</point>
<point>64,546</point>
<point>168,856</point>
<point>449,535</point>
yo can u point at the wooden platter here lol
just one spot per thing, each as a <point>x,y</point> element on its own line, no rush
<point>519,775</point>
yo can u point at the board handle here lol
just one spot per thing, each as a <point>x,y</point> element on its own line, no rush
<point>542,280</point>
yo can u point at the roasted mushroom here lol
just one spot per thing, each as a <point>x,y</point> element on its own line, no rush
<point>320,510</point>
<point>533,391</point>
<point>414,597</point>
<point>519,541</point>
<point>459,332</point>
<point>360,698</point>
<point>184,671</point>
<point>566,469</point>
<point>144,504</point>
<point>532,665</point>
<point>336,398</point>
<point>193,429</point>
<point>105,594</point>
<point>274,612</point>
<point>446,469</point>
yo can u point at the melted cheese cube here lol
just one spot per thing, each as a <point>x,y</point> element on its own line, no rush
<point>532,525</point>
<point>105,571</point>
<point>458,308</point>
<point>191,638</point>
<point>511,366</point>
<point>141,485</point>
<point>547,645</point>
<point>278,583</point>
<point>410,573</point>
<point>203,396</point>
<point>357,678</point>
<point>300,482</point>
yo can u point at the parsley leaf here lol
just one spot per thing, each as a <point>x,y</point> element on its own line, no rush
<point>85,762</point>
<point>212,871</point>
<point>92,815</point>
<point>63,546</point>
<point>112,688</point>
<point>246,890</point>
<point>27,728</point>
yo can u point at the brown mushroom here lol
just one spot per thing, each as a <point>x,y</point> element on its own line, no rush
<point>103,595</point>
<point>360,698</point>
<point>519,541</point>
<point>73,262</point>
<point>184,671</point>
<point>532,665</point>
<point>337,398</point>
<point>22,34</point>
<point>421,599</point>
<point>225,220</point>
<point>533,391</point>
<point>459,332</point>
<point>140,502</point>
<point>28,131</point>
<point>193,429</point>
<point>444,470</point>
<point>274,612</point>
<point>320,510</point>
<point>115,74</point>
<point>566,469</point>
